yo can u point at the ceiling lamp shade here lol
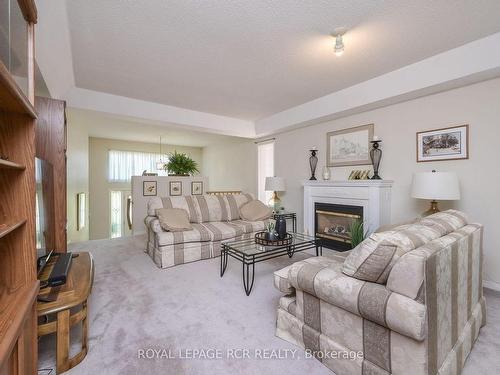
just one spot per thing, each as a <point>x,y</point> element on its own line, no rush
<point>436,186</point>
<point>275,184</point>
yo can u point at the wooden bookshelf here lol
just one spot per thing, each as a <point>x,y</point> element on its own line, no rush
<point>6,164</point>
<point>5,229</point>
<point>18,282</point>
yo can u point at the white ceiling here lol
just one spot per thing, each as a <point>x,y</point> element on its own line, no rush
<point>250,59</point>
<point>102,125</point>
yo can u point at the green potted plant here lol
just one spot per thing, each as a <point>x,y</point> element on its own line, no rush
<point>357,233</point>
<point>180,165</point>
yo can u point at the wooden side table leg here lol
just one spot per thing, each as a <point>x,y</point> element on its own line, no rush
<point>85,327</point>
<point>62,357</point>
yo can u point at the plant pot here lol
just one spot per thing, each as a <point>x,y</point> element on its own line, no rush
<point>178,175</point>
<point>271,236</point>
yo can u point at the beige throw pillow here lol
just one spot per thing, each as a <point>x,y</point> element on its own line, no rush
<point>173,219</point>
<point>254,211</point>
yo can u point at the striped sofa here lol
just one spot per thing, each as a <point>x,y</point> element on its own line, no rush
<point>422,317</point>
<point>213,218</point>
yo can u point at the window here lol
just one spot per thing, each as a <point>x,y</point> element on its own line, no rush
<point>265,165</point>
<point>125,164</point>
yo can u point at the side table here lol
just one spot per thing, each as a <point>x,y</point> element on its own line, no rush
<point>287,215</point>
<point>69,308</point>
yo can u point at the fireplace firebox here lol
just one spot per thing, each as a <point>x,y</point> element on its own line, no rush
<point>333,224</point>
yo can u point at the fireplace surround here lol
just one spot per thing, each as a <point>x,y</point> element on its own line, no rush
<point>370,199</point>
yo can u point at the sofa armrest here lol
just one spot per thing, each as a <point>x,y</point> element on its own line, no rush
<point>368,300</point>
<point>153,223</point>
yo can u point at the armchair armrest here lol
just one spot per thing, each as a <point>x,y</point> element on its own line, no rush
<point>368,300</point>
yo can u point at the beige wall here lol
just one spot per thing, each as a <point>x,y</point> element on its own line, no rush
<point>476,105</point>
<point>98,177</point>
<point>231,165</point>
<point>77,175</point>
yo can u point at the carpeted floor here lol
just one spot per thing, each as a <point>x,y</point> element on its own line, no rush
<point>135,306</point>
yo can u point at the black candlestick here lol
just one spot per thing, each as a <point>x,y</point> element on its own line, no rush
<point>313,162</point>
<point>376,156</point>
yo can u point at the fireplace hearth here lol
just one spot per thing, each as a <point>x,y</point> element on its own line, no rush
<point>333,224</point>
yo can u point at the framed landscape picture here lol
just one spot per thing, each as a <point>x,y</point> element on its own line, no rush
<point>175,188</point>
<point>197,188</point>
<point>149,188</point>
<point>349,146</point>
<point>443,144</point>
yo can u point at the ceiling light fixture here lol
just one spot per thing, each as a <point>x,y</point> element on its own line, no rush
<point>339,42</point>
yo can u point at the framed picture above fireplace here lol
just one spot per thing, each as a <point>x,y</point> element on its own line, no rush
<point>349,146</point>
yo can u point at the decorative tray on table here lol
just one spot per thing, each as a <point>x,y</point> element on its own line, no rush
<point>266,239</point>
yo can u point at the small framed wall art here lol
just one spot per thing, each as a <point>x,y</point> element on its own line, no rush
<point>175,188</point>
<point>443,144</point>
<point>349,146</point>
<point>197,188</point>
<point>149,188</point>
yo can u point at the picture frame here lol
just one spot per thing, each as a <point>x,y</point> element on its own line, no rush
<point>149,188</point>
<point>175,188</point>
<point>81,208</point>
<point>196,187</point>
<point>349,146</point>
<point>451,143</point>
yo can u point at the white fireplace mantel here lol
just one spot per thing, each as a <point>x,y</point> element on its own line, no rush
<point>373,195</point>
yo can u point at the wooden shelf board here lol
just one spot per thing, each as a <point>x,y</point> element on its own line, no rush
<point>4,230</point>
<point>12,99</point>
<point>6,164</point>
<point>14,308</point>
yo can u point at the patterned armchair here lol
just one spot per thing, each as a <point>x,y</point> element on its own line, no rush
<point>405,301</point>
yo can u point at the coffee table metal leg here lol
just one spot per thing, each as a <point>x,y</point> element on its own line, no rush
<point>248,276</point>
<point>290,251</point>
<point>223,260</point>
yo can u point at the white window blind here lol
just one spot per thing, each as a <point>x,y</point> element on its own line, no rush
<point>265,165</point>
<point>125,164</point>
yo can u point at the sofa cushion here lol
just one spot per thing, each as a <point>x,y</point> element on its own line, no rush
<point>187,203</point>
<point>228,230</point>
<point>255,210</point>
<point>198,233</point>
<point>221,207</point>
<point>173,219</point>
<point>214,231</point>
<point>373,259</point>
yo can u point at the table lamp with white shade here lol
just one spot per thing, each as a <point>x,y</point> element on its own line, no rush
<point>435,186</point>
<point>275,184</point>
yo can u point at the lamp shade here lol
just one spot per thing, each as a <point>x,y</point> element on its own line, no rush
<point>436,186</point>
<point>275,184</point>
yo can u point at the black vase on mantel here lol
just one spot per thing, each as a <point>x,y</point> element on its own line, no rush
<point>376,156</point>
<point>281,227</point>
<point>313,162</point>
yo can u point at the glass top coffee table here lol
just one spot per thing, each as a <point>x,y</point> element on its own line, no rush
<point>248,253</point>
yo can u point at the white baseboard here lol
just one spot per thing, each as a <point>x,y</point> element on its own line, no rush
<point>491,285</point>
